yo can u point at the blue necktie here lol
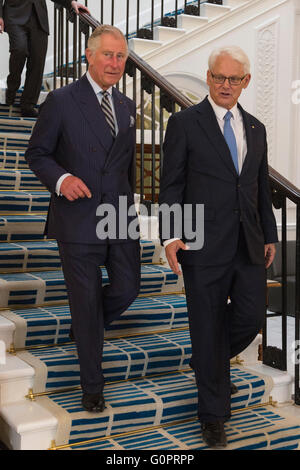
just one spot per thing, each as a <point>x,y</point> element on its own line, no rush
<point>230,139</point>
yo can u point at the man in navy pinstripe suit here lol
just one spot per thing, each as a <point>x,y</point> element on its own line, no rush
<point>85,164</point>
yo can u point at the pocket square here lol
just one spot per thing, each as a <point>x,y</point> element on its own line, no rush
<point>132,121</point>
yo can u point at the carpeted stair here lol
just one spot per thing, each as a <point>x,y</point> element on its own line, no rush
<point>150,392</point>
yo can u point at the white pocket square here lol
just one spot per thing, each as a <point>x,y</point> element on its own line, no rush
<point>132,121</point>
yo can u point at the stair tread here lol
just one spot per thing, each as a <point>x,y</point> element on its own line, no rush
<point>123,358</point>
<point>43,287</point>
<point>144,402</point>
<point>19,179</point>
<point>247,430</point>
<point>50,325</point>
<point>43,254</point>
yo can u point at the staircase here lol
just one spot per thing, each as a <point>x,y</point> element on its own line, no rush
<point>150,389</point>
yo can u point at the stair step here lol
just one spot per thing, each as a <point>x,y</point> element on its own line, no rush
<point>29,255</point>
<point>212,11</point>
<point>50,325</point>
<point>234,3</point>
<point>16,124</point>
<point>22,227</point>
<point>43,255</point>
<point>16,180</point>
<point>123,358</point>
<point>46,287</point>
<point>256,429</point>
<point>166,34</point>
<point>24,201</point>
<point>189,22</point>
<point>13,159</point>
<point>13,141</point>
<point>143,46</point>
<point>139,403</point>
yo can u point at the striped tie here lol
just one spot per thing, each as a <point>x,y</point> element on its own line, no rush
<point>106,108</point>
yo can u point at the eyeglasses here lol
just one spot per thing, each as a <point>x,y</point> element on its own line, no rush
<point>220,79</point>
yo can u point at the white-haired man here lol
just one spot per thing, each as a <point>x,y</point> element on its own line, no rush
<point>215,154</point>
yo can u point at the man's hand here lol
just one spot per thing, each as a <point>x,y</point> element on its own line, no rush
<point>77,6</point>
<point>171,255</point>
<point>270,251</point>
<point>73,188</point>
<point>1,25</point>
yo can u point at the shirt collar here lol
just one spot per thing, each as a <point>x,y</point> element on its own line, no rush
<point>220,111</point>
<point>97,89</point>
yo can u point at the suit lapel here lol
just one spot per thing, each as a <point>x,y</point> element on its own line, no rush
<point>90,107</point>
<point>249,137</point>
<point>208,121</point>
<point>121,110</point>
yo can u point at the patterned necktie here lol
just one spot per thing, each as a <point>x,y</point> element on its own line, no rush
<point>106,108</point>
<point>230,139</point>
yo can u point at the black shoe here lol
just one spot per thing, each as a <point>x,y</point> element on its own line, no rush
<point>93,402</point>
<point>29,112</point>
<point>233,388</point>
<point>213,434</point>
<point>10,97</point>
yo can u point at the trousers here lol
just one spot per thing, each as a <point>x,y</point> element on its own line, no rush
<point>226,308</point>
<point>27,44</point>
<point>94,306</point>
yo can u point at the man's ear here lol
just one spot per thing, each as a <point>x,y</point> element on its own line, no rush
<point>246,80</point>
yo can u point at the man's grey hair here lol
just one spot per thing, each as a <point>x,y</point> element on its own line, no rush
<point>234,52</point>
<point>95,37</point>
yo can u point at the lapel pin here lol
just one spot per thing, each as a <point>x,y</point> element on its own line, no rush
<point>253,127</point>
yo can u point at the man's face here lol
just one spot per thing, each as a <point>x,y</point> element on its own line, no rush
<point>107,63</point>
<point>226,95</point>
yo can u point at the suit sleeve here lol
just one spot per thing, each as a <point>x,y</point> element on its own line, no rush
<point>173,179</point>
<point>267,217</point>
<point>40,154</point>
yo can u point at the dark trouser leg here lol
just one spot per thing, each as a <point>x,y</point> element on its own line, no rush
<point>91,304</point>
<point>18,47</point>
<point>220,330</point>
<point>37,50</point>
<point>123,269</point>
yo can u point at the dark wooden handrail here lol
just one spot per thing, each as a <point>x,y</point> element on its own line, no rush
<point>284,186</point>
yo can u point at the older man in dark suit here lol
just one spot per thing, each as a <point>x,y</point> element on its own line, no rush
<point>215,155</point>
<point>82,148</point>
<point>26,22</point>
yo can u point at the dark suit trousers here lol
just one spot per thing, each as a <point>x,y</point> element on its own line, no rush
<point>221,330</point>
<point>27,44</point>
<point>92,306</point>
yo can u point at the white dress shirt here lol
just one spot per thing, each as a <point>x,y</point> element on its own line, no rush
<point>238,127</point>
<point>98,91</point>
